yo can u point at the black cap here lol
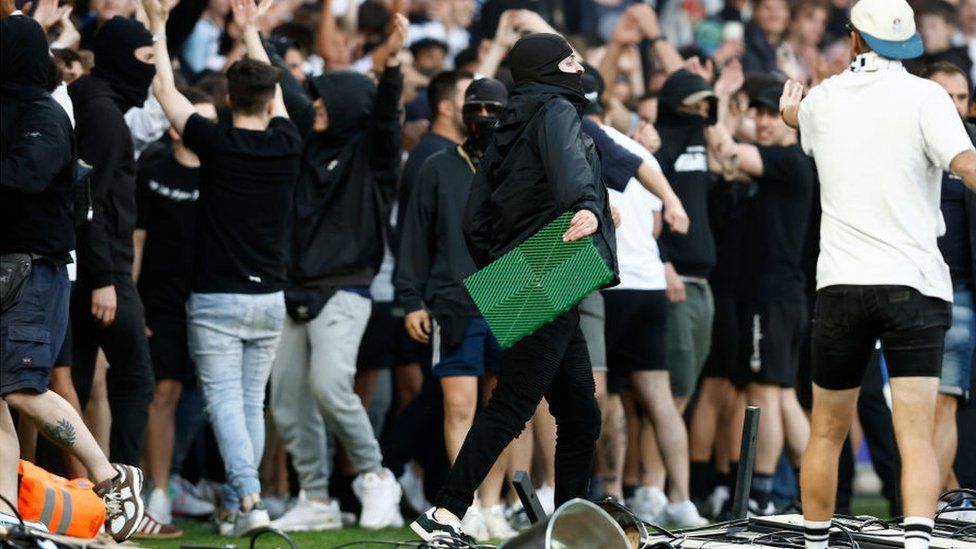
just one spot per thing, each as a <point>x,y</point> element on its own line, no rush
<point>768,97</point>
<point>486,90</point>
<point>427,43</point>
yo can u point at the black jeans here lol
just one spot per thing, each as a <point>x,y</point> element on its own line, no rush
<point>553,363</point>
<point>129,378</point>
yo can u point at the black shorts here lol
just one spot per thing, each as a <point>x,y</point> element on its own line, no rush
<point>168,347</point>
<point>64,355</point>
<point>770,340</point>
<point>849,320</point>
<point>636,332</point>
<point>386,344</point>
<point>721,362</point>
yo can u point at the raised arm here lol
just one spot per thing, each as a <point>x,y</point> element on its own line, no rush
<point>385,136</point>
<point>505,38</point>
<point>248,16</point>
<point>660,48</point>
<point>178,108</point>
<point>789,103</point>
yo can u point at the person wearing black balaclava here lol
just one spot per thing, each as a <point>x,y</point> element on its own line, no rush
<point>106,311</point>
<point>37,232</point>
<point>538,166</point>
<point>432,263</point>
<point>351,131</point>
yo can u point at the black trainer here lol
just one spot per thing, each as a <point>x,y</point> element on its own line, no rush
<point>442,534</point>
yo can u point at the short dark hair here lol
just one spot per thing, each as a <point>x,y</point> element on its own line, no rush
<point>67,56</point>
<point>213,84</point>
<point>939,8</point>
<point>443,87</point>
<point>299,35</point>
<point>425,44</point>
<point>197,96</point>
<point>251,84</point>
<point>943,67</point>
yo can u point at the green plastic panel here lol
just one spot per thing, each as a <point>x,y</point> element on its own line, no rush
<point>537,281</point>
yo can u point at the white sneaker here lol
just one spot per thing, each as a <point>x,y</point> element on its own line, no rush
<point>547,497</point>
<point>187,501</point>
<point>717,499</point>
<point>380,495</point>
<point>159,506</point>
<point>310,516</point>
<point>497,524</point>
<point>223,522</point>
<point>473,524</point>
<point>413,490</point>
<point>683,515</point>
<point>11,521</point>
<point>649,503</point>
<point>251,521</point>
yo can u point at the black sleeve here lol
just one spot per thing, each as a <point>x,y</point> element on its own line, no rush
<point>39,149</point>
<point>143,195</point>
<point>182,19</point>
<point>618,165</point>
<point>779,163</point>
<point>417,241</point>
<point>564,160</point>
<point>385,133</point>
<point>199,135</point>
<point>477,216</point>
<point>297,102</point>
<point>103,150</point>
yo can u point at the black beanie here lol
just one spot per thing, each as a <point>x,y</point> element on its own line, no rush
<point>115,60</point>
<point>24,58</point>
<point>535,58</point>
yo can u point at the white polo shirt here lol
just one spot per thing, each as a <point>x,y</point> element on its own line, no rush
<point>881,139</point>
<point>638,257</point>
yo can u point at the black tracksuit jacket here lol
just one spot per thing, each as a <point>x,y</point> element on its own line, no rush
<point>538,166</point>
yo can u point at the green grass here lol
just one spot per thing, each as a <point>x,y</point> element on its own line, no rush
<point>199,534</point>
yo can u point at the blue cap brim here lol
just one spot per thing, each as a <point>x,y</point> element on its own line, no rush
<point>895,49</point>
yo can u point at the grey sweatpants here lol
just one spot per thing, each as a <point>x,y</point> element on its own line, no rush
<point>312,392</point>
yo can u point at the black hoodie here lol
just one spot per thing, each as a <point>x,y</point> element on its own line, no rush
<point>538,166</point>
<point>348,178</point>
<point>683,157</point>
<point>37,149</point>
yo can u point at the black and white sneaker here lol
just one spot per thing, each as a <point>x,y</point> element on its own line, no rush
<point>431,529</point>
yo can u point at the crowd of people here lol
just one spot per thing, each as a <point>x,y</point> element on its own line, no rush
<point>235,235</point>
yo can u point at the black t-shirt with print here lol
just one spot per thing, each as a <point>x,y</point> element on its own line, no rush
<point>245,204</point>
<point>166,205</point>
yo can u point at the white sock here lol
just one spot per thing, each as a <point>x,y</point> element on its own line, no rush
<point>918,532</point>
<point>816,533</point>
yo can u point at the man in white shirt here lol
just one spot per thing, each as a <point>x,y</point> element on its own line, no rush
<point>881,139</point>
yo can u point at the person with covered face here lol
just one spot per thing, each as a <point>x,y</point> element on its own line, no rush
<point>431,267</point>
<point>351,132</point>
<point>538,166</point>
<point>37,232</point>
<point>106,310</point>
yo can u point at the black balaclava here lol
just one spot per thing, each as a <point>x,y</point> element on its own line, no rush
<point>115,60</point>
<point>480,128</point>
<point>24,58</point>
<point>536,57</point>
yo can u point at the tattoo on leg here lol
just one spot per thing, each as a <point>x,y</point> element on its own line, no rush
<point>63,433</point>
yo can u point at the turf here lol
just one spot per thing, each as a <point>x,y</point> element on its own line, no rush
<point>198,534</point>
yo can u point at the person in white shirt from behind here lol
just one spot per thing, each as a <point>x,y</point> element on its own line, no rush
<point>881,139</point>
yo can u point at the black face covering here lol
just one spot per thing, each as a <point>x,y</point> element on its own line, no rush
<point>24,58</point>
<point>480,130</point>
<point>536,57</point>
<point>115,60</point>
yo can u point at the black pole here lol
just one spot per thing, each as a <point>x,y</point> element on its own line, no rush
<point>526,493</point>
<point>747,458</point>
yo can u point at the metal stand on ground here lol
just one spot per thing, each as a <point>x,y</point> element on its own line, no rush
<point>747,458</point>
<point>526,493</point>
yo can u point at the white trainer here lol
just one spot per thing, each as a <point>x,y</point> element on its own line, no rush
<point>473,524</point>
<point>413,490</point>
<point>310,516</point>
<point>251,521</point>
<point>683,515</point>
<point>380,495</point>
<point>649,503</point>
<point>547,497</point>
<point>187,501</point>
<point>497,523</point>
<point>159,506</point>
<point>717,499</point>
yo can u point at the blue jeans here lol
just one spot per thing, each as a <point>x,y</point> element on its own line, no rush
<point>232,339</point>
<point>957,362</point>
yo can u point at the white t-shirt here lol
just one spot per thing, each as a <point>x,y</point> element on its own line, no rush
<point>881,139</point>
<point>638,256</point>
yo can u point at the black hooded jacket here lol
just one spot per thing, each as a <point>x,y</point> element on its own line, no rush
<point>683,157</point>
<point>37,149</point>
<point>538,166</point>
<point>104,142</point>
<point>348,178</point>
